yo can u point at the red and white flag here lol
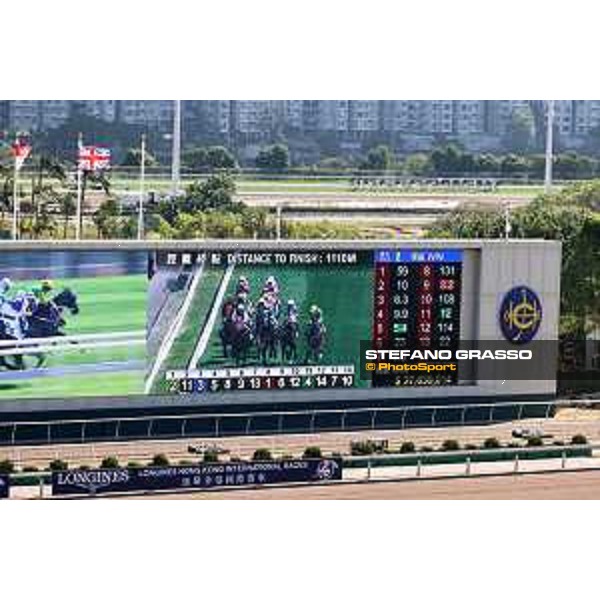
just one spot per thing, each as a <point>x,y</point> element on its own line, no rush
<point>93,158</point>
<point>21,151</point>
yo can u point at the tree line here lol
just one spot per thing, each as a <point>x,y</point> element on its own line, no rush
<point>571,216</point>
<point>452,161</point>
<point>208,209</point>
<point>205,209</point>
<point>445,161</point>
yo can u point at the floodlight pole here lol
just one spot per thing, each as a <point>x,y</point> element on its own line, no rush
<point>278,223</point>
<point>507,223</point>
<point>140,227</point>
<point>15,223</point>
<point>78,223</point>
<point>176,152</point>
<point>549,146</point>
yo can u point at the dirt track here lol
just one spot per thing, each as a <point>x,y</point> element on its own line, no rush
<point>558,486</point>
<point>341,199</point>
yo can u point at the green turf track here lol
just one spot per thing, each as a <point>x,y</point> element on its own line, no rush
<point>185,343</point>
<point>344,295</point>
<point>111,384</point>
<point>107,305</point>
<point>336,185</point>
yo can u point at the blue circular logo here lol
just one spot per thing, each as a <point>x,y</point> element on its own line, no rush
<point>520,315</point>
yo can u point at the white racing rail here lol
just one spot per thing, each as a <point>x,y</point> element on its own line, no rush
<point>212,318</point>
<point>173,332</point>
<point>72,342</point>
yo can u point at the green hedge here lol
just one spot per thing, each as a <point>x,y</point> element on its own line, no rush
<point>442,458</point>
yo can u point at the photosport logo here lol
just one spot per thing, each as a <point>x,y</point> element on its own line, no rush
<point>520,315</point>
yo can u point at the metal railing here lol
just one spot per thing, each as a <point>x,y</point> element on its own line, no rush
<point>416,466</point>
<point>466,463</point>
<point>224,424</point>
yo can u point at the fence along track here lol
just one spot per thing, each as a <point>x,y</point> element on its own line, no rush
<point>176,450</point>
<point>210,323</point>
<point>72,342</point>
<point>150,434</point>
<point>173,331</point>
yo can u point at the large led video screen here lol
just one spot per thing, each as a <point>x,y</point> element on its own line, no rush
<point>136,325</point>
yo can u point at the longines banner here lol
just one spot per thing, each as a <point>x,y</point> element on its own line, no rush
<point>4,486</point>
<point>210,475</point>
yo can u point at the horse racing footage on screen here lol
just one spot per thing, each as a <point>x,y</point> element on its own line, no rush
<point>72,324</point>
<point>258,321</point>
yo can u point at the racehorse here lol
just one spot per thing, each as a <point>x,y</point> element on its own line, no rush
<point>266,330</point>
<point>235,332</point>
<point>38,320</point>
<point>67,299</point>
<point>315,337</point>
<point>226,331</point>
<point>242,341</point>
<point>14,316</point>
<point>288,339</point>
<point>46,319</point>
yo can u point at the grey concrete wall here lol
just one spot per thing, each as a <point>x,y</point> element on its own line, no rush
<point>504,266</point>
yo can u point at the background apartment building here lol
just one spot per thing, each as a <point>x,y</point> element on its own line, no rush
<point>407,124</point>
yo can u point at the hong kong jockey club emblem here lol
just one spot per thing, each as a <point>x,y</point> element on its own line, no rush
<point>520,315</point>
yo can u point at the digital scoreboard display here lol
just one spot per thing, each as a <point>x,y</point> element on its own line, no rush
<point>190,324</point>
<point>193,324</point>
<point>417,304</point>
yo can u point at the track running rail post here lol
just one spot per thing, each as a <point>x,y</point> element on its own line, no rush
<point>312,421</point>
<point>343,421</point>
